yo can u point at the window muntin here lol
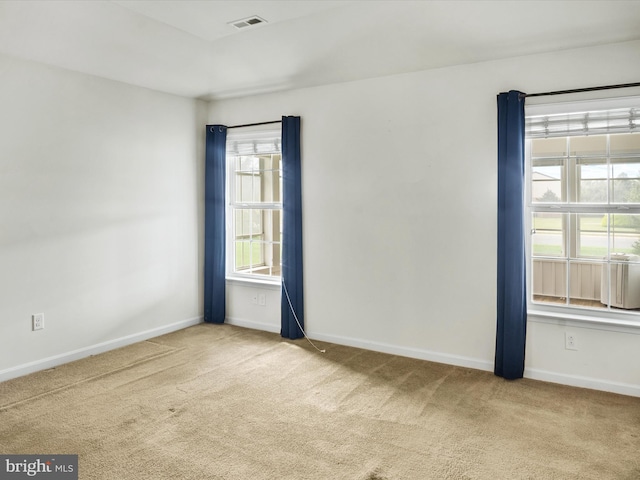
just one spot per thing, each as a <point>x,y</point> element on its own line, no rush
<point>583,246</point>
<point>254,210</point>
<point>548,234</point>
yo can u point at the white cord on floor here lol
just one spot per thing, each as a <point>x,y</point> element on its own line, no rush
<point>298,321</point>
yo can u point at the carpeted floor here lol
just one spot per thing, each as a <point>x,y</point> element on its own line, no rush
<point>222,402</point>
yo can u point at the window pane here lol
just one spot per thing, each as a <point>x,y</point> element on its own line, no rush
<point>257,242</point>
<point>549,147</point>
<point>625,235</point>
<point>546,184</point>
<point>256,188</point>
<point>248,222</point>
<point>592,235</point>
<point>271,225</point>
<point>256,252</point>
<point>248,188</point>
<point>240,228</point>
<point>625,183</point>
<point>249,254</point>
<point>258,179</point>
<point>548,237</point>
<point>625,143</point>
<point>585,280</point>
<point>592,176</point>
<point>247,164</point>
<point>592,145</point>
<point>256,222</point>
<point>271,186</point>
<point>242,255</point>
<point>549,278</point>
<point>271,265</point>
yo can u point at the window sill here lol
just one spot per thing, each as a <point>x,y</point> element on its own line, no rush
<point>254,282</point>
<point>576,319</point>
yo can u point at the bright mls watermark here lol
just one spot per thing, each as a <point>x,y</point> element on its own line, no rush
<point>49,467</point>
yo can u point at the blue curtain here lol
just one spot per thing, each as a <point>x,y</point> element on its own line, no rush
<point>214,224</point>
<point>292,301</point>
<point>512,299</point>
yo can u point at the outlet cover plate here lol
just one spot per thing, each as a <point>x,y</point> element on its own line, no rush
<point>37,321</point>
<point>570,342</point>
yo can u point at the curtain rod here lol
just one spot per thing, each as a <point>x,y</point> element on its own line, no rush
<point>580,90</point>
<point>255,124</point>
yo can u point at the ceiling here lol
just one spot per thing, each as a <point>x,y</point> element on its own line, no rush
<point>188,48</point>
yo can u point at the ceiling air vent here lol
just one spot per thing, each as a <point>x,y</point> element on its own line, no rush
<point>248,22</point>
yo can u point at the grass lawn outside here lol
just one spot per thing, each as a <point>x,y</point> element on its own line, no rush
<point>591,225</point>
<point>248,253</point>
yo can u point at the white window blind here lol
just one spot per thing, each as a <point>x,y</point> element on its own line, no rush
<point>619,120</point>
<point>253,143</point>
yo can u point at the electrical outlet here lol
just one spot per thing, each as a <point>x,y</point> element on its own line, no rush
<point>37,321</point>
<point>570,342</point>
<point>254,298</point>
<point>262,299</point>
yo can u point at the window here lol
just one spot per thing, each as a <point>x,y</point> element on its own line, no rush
<point>254,212</point>
<point>583,171</point>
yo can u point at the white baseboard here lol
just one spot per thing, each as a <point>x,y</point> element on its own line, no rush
<point>240,322</point>
<point>410,352</point>
<point>583,382</point>
<point>375,346</point>
<point>67,357</point>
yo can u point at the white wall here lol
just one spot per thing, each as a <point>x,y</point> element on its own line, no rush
<point>399,198</point>
<point>99,214</point>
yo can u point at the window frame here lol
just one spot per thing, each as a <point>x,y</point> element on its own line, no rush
<point>233,206</point>
<point>606,317</point>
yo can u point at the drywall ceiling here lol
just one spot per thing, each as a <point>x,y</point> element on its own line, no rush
<point>188,47</point>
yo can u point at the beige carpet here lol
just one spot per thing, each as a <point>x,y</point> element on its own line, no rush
<point>222,402</point>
